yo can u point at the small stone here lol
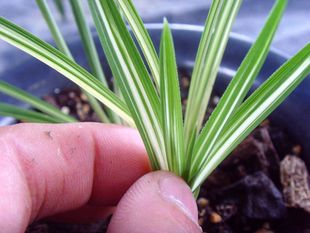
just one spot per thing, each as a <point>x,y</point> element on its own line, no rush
<point>72,95</point>
<point>215,218</point>
<point>262,196</point>
<point>185,81</point>
<point>257,196</point>
<point>202,213</point>
<point>297,150</point>
<point>65,110</point>
<point>81,115</point>
<point>200,221</point>
<point>256,153</point>
<point>79,106</point>
<point>215,100</point>
<point>57,91</point>
<point>227,210</point>
<point>84,97</point>
<point>294,179</point>
<point>202,202</point>
<point>86,108</point>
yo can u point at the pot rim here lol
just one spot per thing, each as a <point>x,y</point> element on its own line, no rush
<point>200,28</point>
<point>174,27</point>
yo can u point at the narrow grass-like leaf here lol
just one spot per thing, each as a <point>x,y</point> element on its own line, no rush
<point>210,52</point>
<point>142,37</point>
<point>172,119</point>
<point>117,91</point>
<point>39,49</point>
<point>87,40</point>
<point>132,77</point>
<point>49,19</point>
<point>25,115</point>
<point>35,102</point>
<point>90,48</point>
<point>256,108</point>
<point>237,89</point>
<point>62,46</point>
<point>98,108</point>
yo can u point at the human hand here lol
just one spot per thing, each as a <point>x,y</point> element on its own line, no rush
<point>79,172</point>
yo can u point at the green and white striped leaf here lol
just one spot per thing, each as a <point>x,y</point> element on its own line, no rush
<point>87,41</point>
<point>35,102</point>
<point>210,52</point>
<point>63,47</point>
<point>142,36</point>
<point>256,108</point>
<point>25,115</point>
<point>49,19</point>
<point>90,48</point>
<point>44,52</point>
<point>237,89</point>
<point>172,119</point>
<point>132,77</point>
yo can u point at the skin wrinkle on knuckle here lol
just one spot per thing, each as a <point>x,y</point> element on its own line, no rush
<point>51,200</point>
<point>41,206</point>
<point>95,153</point>
<point>100,170</point>
<point>9,161</point>
<point>27,166</point>
<point>24,164</point>
<point>94,149</point>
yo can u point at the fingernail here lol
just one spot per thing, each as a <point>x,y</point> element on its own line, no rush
<point>175,190</point>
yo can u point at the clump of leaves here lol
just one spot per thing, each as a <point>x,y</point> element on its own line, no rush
<point>149,97</point>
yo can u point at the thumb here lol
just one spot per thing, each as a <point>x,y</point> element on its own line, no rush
<point>157,202</point>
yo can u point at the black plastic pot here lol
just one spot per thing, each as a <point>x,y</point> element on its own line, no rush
<point>292,116</point>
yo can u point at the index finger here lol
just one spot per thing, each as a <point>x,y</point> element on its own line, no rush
<point>48,169</point>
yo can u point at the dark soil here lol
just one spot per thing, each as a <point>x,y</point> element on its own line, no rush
<point>263,187</point>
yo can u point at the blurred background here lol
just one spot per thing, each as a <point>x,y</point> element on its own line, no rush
<point>293,34</point>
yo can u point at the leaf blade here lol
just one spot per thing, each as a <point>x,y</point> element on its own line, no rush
<point>52,25</point>
<point>237,89</point>
<point>210,52</point>
<point>62,46</point>
<point>91,51</point>
<point>172,119</point>
<point>44,52</point>
<point>132,77</point>
<point>257,107</point>
<point>25,115</point>
<point>142,37</point>
<point>87,41</point>
<point>35,102</point>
